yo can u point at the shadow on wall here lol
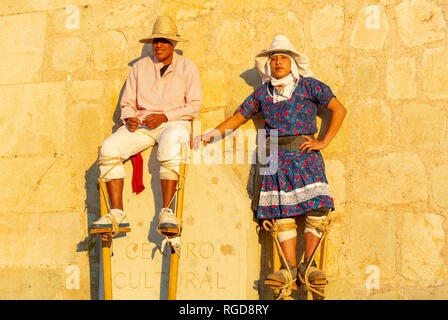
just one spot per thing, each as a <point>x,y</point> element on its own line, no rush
<point>92,243</point>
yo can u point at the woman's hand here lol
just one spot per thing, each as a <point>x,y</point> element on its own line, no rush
<point>231,123</point>
<point>132,123</point>
<point>204,138</point>
<point>312,144</point>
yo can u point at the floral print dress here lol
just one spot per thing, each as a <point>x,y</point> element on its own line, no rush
<point>299,184</point>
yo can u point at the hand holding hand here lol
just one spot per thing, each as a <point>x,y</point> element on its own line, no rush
<point>132,123</point>
<point>154,120</point>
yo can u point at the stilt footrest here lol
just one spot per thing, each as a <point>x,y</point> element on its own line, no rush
<point>108,230</point>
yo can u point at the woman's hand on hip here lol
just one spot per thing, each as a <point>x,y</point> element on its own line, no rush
<point>312,144</point>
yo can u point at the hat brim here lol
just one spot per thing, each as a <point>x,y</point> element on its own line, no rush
<point>268,52</point>
<point>161,35</point>
<point>301,60</point>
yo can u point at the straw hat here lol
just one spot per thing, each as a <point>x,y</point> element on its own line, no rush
<point>282,44</point>
<point>164,27</point>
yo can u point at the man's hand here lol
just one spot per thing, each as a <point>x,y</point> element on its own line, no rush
<point>132,123</point>
<point>154,120</point>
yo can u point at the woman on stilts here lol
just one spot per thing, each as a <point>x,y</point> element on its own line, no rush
<point>288,99</point>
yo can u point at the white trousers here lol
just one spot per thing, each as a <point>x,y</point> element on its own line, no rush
<point>124,143</point>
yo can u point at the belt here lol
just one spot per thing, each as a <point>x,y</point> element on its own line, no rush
<point>288,142</point>
<point>283,143</point>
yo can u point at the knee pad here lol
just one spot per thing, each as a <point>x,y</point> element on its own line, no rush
<point>170,159</point>
<point>169,170</point>
<point>315,225</point>
<point>287,228</point>
<point>110,163</point>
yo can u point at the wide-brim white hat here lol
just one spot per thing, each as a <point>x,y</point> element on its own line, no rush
<point>282,44</point>
<point>164,27</point>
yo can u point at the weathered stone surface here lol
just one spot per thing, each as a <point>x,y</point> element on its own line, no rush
<point>45,184</point>
<point>431,293</point>
<point>31,283</point>
<point>365,224</point>
<point>213,88</point>
<point>336,245</point>
<point>422,238</point>
<point>401,174</point>
<point>335,171</point>
<point>69,54</point>
<point>373,138</point>
<point>86,130</point>
<point>86,90</point>
<point>239,34</point>
<point>35,239</point>
<point>25,181</point>
<point>341,142</point>
<point>420,22</point>
<point>245,6</point>
<point>293,28</point>
<point>184,10</point>
<point>365,75</point>
<point>337,287</point>
<point>32,129</point>
<point>401,78</point>
<point>232,213</point>
<point>388,295</point>
<point>203,56</point>
<point>118,17</point>
<point>207,121</point>
<point>422,124</point>
<point>22,46</point>
<point>327,26</point>
<point>371,28</point>
<point>439,189</point>
<point>58,189</point>
<point>329,69</point>
<point>435,69</point>
<point>110,50</point>
<point>20,6</point>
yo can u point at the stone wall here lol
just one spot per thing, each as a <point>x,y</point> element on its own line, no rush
<point>63,65</point>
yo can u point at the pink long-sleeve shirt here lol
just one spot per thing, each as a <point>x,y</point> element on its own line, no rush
<point>177,94</point>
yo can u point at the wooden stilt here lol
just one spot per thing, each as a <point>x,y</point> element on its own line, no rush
<point>276,263</point>
<point>106,242</point>
<point>174,259</point>
<point>318,251</point>
<point>323,254</point>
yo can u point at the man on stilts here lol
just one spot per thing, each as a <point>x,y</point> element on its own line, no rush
<point>161,97</point>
